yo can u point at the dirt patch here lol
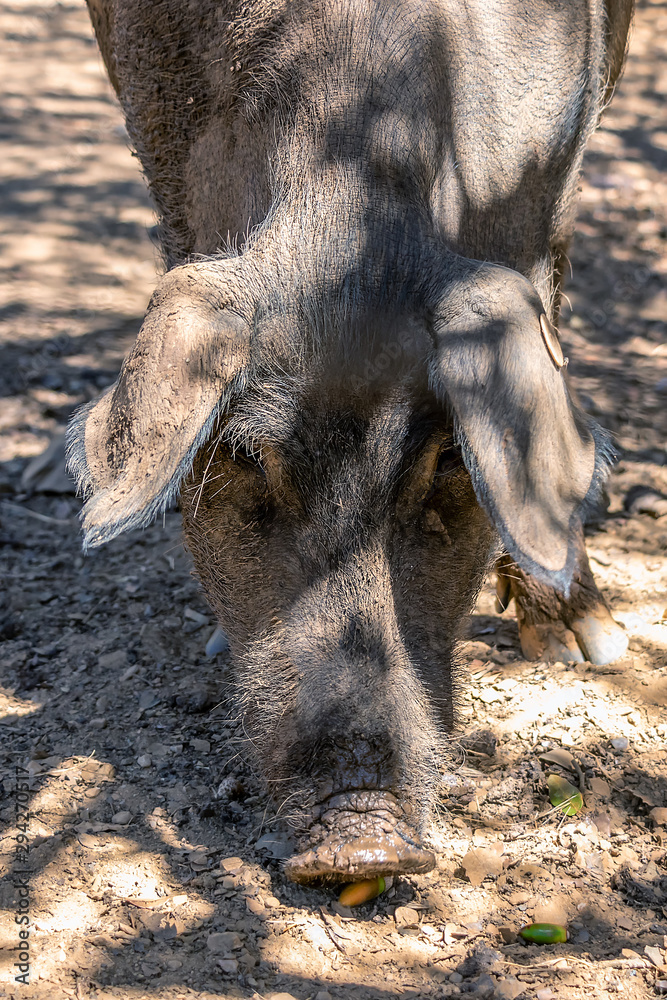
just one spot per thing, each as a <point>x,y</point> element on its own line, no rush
<point>155,861</point>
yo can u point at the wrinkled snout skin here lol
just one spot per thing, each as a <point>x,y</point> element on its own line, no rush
<point>359,396</point>
<point>342,568</point>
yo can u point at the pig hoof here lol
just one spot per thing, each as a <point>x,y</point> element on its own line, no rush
<point>600,637</point>
<point>552,642</point>
<point>595,637</point>
<point>359,835</point>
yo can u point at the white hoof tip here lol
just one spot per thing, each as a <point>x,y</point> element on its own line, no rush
<point>602,641</point>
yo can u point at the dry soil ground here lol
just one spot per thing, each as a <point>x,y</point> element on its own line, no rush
<point>143,883</point>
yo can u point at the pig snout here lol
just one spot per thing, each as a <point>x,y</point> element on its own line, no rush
<point>356,835</point>
<point>350,748</point>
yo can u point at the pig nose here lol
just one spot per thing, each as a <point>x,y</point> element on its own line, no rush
<point>360,835</point>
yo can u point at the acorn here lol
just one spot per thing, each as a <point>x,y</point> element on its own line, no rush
<point>565,795</point>
<point>543,933</point>
<point>362,892</point>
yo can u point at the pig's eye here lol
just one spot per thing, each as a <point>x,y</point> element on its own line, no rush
<point>449,461</point>
<point>246,458</point>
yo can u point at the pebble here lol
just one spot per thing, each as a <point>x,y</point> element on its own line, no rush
<point>484,985</point>
<point>229,965</point>
<point>122,818</point>
<point>231,864</point>
<point>456,977</point>
<point>620,743</point>
<point>405,916</point>
<point>217,643</point>
<point>148,699</point>
<point>195,616</point>
<point>545,994</point>
<point>112,661</point>
<point>255,906</point>
<point>144,760</point>
<point>654,955</point>
<point>508,989</point>
<point>223,941</point>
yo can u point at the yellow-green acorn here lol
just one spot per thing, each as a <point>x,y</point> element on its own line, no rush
<point>565,795</point>
<point>361,892</point>
<point>544,933</point>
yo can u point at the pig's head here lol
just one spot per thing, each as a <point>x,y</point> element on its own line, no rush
<point>340,496</point>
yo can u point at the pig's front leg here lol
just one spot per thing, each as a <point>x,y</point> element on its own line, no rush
<point>559,629</point>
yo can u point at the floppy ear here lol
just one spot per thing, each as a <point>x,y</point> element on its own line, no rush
<point>130,449</point>
<point>534,457</point>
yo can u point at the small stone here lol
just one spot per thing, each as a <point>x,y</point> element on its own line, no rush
<point>508,989</point>
<point>280,996</point>
<point>217,643</point>
<point>229,965</point>
<point>484,985</point>
<point>150,970</point>
<point>600,788</point>
<point>122,818</point>
<point>198,858</point>
<point>195,616</point>
<point>323,995</point>
<point>221,942</point>
<point>98,723</point>
<point>405,916</point>
<point>202,746</point>
<point>148,699</point>
<point>545,994</point>
<point>231,865</point>
<point>92,793</point>
<point>173,964</point>
<point>245,958</point>
<point>654,955</point>
<point>277,846</point>
<point>620,742</point>
<point>112,661</point>
<point>456,977</point>
<point>144,760</point>
<point>255,906</point>
<point>659,816</point>
<point>519,897</point>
